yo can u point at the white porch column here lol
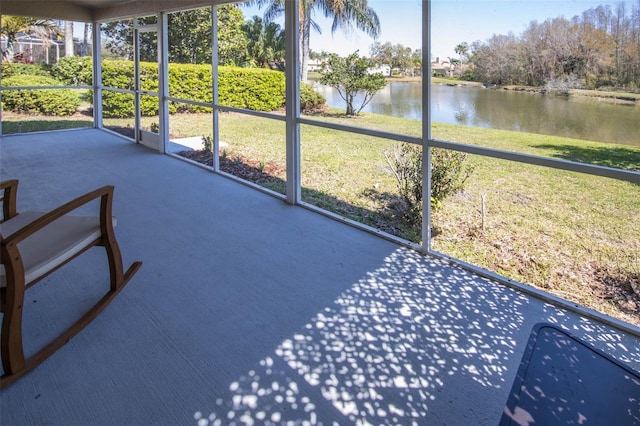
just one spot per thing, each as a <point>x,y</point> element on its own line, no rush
<point>426,125</point>
<point>163,82</point>
<point>292,100</point>
<point>215,124</point>
<point>97,75</point>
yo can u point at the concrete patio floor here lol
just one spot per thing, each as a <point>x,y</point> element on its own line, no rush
<point>251,311</point>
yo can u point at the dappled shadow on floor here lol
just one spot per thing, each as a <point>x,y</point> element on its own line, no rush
<point>385,351</point>
<point>415,341</point>
<point>608,156</point>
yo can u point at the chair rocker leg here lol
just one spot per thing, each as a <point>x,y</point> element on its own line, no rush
<point>13,370</point>
<point>12,295</point>
<point>13,360</point>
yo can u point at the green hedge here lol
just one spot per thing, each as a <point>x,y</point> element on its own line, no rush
<point>38,101</point>
<point>74,71</point>
<point>249,88</point>
<point>119,74</point>
<point>189,81</point>
<point>11,69</point>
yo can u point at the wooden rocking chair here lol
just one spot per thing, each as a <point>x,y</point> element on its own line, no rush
<point>33,245</point>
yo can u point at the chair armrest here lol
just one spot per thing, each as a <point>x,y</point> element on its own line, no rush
<point>106,225</point>
<point>9,190</point>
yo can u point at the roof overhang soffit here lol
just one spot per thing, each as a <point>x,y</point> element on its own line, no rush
<point>93,11</point>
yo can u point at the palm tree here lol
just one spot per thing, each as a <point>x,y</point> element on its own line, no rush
<point>275,44</point>
<point>266,43</point>
<point>463,50</point>
<point>344,13</point>
<point>454,65</point>
<point>14,25</point>
<point>68,38</point>
<point>85,39</point>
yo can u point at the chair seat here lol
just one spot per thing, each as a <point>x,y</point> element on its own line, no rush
<point>55,244</point>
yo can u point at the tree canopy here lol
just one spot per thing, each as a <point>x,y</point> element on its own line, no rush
<point>189,37</point>
<point>350,76</point>
<point>46,29</point>
<point>601,47</point>
<point>395,55</point>
<point>344,14</point>
<point>266,44</point>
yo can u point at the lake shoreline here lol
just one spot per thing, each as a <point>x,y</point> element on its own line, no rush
<point>597,95</point>
<point>577,117</point>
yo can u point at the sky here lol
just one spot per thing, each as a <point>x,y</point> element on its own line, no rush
<point>452,22</point>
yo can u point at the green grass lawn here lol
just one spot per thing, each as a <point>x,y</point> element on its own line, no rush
<point>574,235</point>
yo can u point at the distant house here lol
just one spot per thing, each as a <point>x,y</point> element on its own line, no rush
<point>441,67</point>
<point>382,69</point>
<point>31,49</point>
<point>314,65</point>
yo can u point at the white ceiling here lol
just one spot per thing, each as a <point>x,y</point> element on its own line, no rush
<point>94,10</point>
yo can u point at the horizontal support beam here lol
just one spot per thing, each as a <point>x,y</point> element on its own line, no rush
<point>101,10</point>
<point>47,9</point>
<point>555,163</point>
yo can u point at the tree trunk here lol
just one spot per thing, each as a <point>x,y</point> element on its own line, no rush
<point>85,40</point>
<point>349,111</point>
<point>68,38</point>
<point>305,32</point>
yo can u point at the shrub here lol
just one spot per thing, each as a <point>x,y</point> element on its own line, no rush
<point>118,74</point>
<point>310,100</point>
<point>405,162</point>
<point>11,69</point>
<point>449,173</point>
<point>75,70</point>
<point>251,88</point>
<point>207,143</point>
<point>189,81</point>
<point>468,74</point>
<point>448,176</point>
<point>38,101</point>
<point>117,105</point>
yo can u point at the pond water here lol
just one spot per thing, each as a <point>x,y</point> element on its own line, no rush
<point>500,109</point>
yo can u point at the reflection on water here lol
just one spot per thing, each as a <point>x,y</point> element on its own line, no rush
<point>498,109</point>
